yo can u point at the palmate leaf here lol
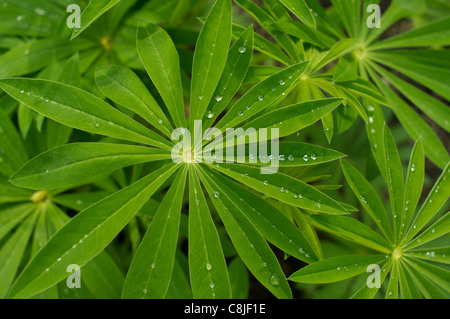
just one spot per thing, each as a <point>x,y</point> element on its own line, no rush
<point>156,253</point>
<point>233,75</point>
<point>160,58</point>
<point>301,11</point>
<point>270,222</point>
<point>368,198</point>
<point>74,163</point>
<point>335,269</point>
<point>210,57</point>
<point>92,12</point>
<point>11,254</point>
<point>78,109</point>
<point>249,243</point>
<point>12,150</point>
<point>124,87</point>
<point>353,230</point>
<point>283,187</point>
<point>207,267</point>
<point>86,235</point>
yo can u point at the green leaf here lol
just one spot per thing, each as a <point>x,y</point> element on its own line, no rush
<point>426,286</point>
<point>392,289</point>
<point>394,179</point>
<point>369,293</point>
<point>250,245</point>
<point>262,95</point>
<point>301,10</point>
<point>12,216</point>
<point>432,34</point>
<point>233,75</point>
<point>210,57</point>
<point>32,56</point>
<point>79,109</point>
<point>12,252</point>
<point>269,221</point>
<point>335,269</point>
<point>124,87</point>
<point>103,277</point>
<point>76,162</point>
<point>160,58</point>
<point>207,266</point>
<point>353,230</point>
<point>263,45</point>
<point>437,197</point>
<point>368,198</point>
<point>87,234</point>
<point>151,269</point>
<point>439,254</point>
<point>415,125</point>
<point>239,279</point>
<point>12,150</point>
<point>413,186</point>
<point>291,119</point>
<point>283,187</point>
<point>93,11</point>
<point>436,110</point>
<point>440,228</point>
<point>341,48</point>
<point>438,275</point>
<point>347,69</point>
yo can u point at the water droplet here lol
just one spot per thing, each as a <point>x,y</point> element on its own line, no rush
<point>301,251</point>
<point>291,158</point>
<point>274,280</point>
<point>282,189</point>
<point>433,230</point>
<point>390,292</point>
<point>216,194</point>
<point>305,158</point>
<point>22,91</point>
<point>282,82</point>
<point>152,266</point>
<point>145,291</point>
<point>210,114</point>
<point>208,267</point>
<point>413,168</point>
<point>248,107</point>
<point>313,157</point>
<point>266,183</point>
<point>219,98</point>
<point>47,269</point>
<point>242,49</point>
<point>261,98</point>
<point>212,285</point>
<point>46,100</point>
<point>39,11</point>
<point>59,259</point>
<point>294,195</point>
<point>200,97</point>
<point>160,121</point>
<point>338,268</point>
<point>19,18</point>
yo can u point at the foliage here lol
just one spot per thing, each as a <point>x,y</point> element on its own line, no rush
<point>98,184</point>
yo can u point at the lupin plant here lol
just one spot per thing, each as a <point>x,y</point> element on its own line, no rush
<point>181,161</point>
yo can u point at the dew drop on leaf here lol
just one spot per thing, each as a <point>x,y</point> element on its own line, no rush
<point>274,280</point>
